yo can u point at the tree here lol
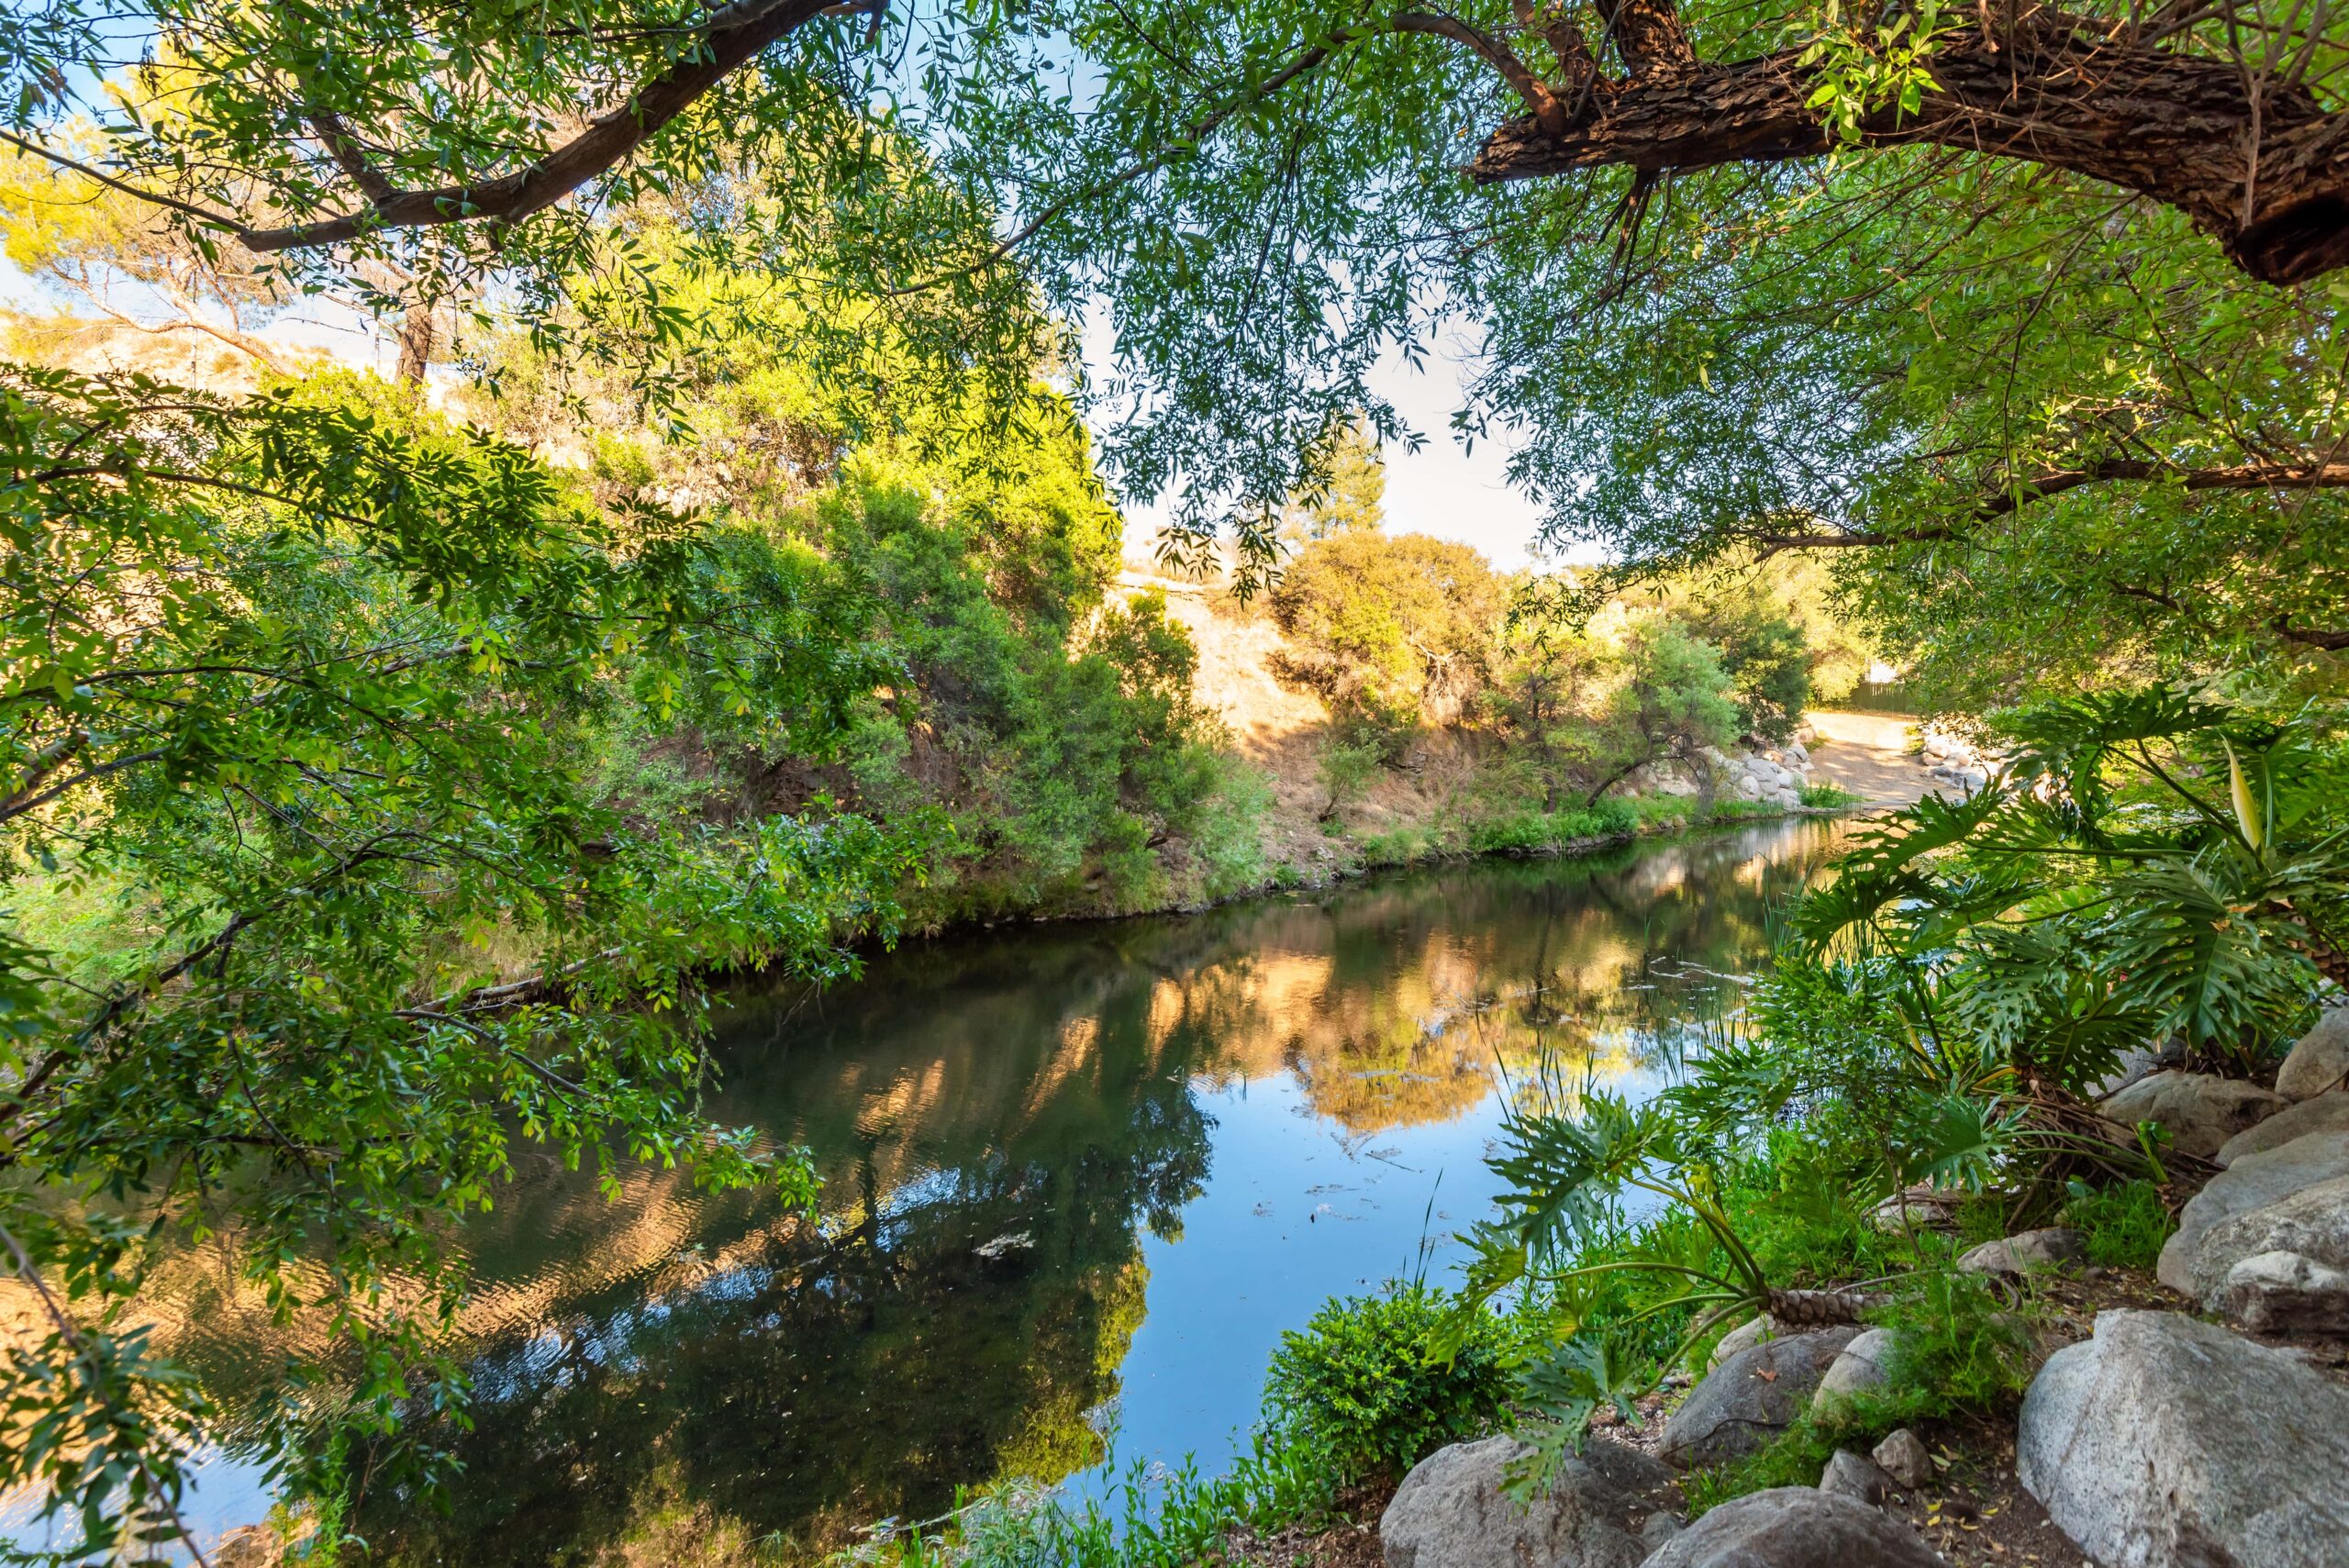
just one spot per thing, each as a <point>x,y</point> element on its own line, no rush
<point>1671,705</point>
<point>1353,494</point>
<point>1267,197</point>
<point>1390,630</point>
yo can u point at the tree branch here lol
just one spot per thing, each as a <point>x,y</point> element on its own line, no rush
<point>729,40</point>
<point>2179,129</point>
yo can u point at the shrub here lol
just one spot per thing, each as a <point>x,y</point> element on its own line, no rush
<point>1347,769</point>
<point>1827,797</point>
<point>2123,1225</point>
<point>1366,1382</point>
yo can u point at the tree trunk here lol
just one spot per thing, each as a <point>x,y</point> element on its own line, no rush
<point>415,339</point>
<point>2269,182</point>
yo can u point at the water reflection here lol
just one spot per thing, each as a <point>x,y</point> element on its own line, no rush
<point>1076,1181</point>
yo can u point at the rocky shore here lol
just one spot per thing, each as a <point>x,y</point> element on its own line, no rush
<point>2196,1418</point>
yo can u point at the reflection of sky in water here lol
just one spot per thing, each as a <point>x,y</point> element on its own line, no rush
<point>1073,1174</point>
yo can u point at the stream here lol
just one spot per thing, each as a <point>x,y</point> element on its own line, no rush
<point>1078,1179</point>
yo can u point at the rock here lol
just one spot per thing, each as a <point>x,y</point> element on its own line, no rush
<point>1660,1527</point>
<point>2167,1442</point>
<point>1751,1398</point>
<point>2200,1109</point>
<point>2286,1293</point>
<point>1860,1367</point>
<point>1450,1512</point>
<point>2056,1247</point>
<point>2136,1064</point>
<point>247,1546</point>
<point>2324,1113</point>
<point>1795,1527</point>
<point>1927,1208</point>
<point>2279,1266</point>
<point>2321,1059</point>
<point>1752,1331</point>
<point>2252,1182</point>
<point>1854,1476</point>
<point>1903,1457</point>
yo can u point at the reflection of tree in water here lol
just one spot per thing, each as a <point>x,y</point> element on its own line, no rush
<point>814,1384</point>
<point>676,1355</point>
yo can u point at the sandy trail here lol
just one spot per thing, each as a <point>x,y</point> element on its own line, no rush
<point>1870,754</point>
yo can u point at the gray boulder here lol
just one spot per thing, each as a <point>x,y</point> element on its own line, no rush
<point>1751,1398</point>
<point>2058,1246</point>
<point>2201,1110</point>
<point>2255,1181</point>
<point>2279,1267</point>
<point>1854,1476</point>
<point>2284,1292</point>
<point>1903,1457</point>
<point>1859,1367</point>
<point>1795,1527</point>
<point>2326,1113</point>
<point>1450,1512</point>
<point>2321,1059</point>
<point>2136,1064</point>
<point>1752,1331</point>
<point>2167,1442</point>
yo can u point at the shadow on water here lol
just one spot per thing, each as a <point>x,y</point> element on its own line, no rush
<point>1076,1180</point>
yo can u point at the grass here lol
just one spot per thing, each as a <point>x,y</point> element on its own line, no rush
<point>1165,1520</point>
<point>2123,1226</point>
<point>1827,797</point>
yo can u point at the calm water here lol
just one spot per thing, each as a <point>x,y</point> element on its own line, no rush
<point>1077,1181</point>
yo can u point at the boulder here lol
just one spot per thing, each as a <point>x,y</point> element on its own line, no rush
<point>1926,1208</point>
<point>2326,1113</point>
<point>1903,1457</point>
<point>2279,1266</point>
<point>1752,1331</point>
<point>2058,1246</point>
<point>2286,1293</point>
<point>1450,1512</point>
<point>2321,1059</point>
<point>2136,1064</point>
<point>2164,1442</point>
<point>2201,1110</point>
<point>1751,1398</point>
<point>1795,1527</point>
<point>2253,1182</point>
<point>1853,1475</point>
<point>249,1546</point>
<point>1860,1367</point>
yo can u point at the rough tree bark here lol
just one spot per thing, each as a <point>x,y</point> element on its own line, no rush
<point>2269,180</point>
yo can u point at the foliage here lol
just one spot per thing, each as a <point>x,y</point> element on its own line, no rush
<point>1764,652</point>
<point>1347,769</point>
<point>1388,629</point>
<point>1547,832</point>
<point>1350,493</point>
<point>308,673</point>
<point>1169,1521</point>
<point>1671,705</point>
<point>2103,888</point>
<point>1376,1383</point>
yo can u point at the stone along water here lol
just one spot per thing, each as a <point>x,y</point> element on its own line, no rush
<point>1078,1180</point>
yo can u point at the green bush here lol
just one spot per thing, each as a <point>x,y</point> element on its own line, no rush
<point>1827,797</point>
<point>1546,832</point>
<point>1366,1382</point>
<point>2123,1225</point>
